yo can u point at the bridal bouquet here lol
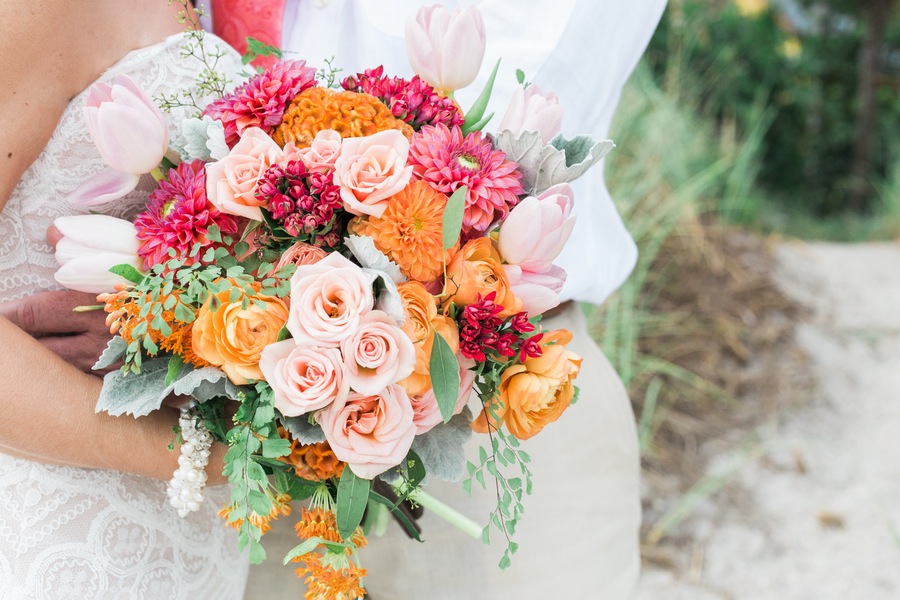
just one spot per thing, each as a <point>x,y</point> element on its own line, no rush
<point>323,276</point>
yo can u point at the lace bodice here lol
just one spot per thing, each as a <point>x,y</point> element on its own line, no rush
<point>73,533</point>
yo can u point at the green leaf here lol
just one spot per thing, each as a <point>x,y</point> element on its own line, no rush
<point>259,502</point>
<point>352,496</point>
<point>520,76</point>
<point>257,48</point>
<point>176,363</point>
<point>415,469</point>
<point>305,548</point>
<point>453,217</point>
<point>444,376</point>
<point>475,113</point>
<point>257,552</point>
<point>398,514</point>
<point>283,334</point>
<point>128,272</point>
<point>273,448</point>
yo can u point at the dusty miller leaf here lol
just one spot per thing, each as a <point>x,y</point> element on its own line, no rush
<point>302,430</point>
<point>115,349</point>
<point>441,449</point>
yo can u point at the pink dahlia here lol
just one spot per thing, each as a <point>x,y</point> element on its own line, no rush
<point>261,102</point>
<point>178,215</point>
<point>446,160</point>
<point>413,101</point>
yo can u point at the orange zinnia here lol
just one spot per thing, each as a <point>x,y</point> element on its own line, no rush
<point>409,231</point>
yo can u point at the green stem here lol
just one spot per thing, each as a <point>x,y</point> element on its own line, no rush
<point>158,174</point>
<point>80,309</point>
<point>455,518</point>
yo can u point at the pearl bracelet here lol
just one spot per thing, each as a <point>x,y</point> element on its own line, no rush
<point>185,489</point>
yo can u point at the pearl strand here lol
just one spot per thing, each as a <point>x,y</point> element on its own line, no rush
<point>185,489</point>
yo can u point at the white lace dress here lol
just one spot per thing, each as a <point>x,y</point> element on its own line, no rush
<point>72,533</point>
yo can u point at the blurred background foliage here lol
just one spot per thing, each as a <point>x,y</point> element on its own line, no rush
<point>821,77</point>
<point>746,121</point>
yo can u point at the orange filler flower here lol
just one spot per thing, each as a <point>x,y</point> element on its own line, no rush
<point>351,114</point>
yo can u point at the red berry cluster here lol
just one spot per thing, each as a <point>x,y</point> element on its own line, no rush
<point>306,205</point>
<point>413,101</point>
<point>482,330</point>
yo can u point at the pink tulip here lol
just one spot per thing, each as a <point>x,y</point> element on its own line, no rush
<point>89,246</point>
<point>531,109</point>
<point>128,129</point>
<point>537,229</point>
<point>539,292</point>
<point>446,49</point>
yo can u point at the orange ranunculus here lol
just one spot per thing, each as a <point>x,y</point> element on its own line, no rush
<point>477,270</point>
<point>422,320</point>
<point>233,338</point>
<point>535,393</point>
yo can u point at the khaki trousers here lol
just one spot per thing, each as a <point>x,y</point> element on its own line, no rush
<point>578,537</point>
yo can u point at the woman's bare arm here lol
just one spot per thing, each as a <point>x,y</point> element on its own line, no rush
<point>49,52</point>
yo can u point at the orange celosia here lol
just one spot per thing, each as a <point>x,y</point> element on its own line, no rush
<point>409,231</point>
<point>314,462</point>
<point>534,394</point>
<point>422,321</point>
<point>351,114</point>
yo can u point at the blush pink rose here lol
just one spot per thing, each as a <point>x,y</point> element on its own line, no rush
<point>320,156</point>
<point>300,253</point>
<point>378,354</point>
<point>231,182</point>
<point>427,413</point>
<point>370,432</point>
<point>303,378</point>
<point>328,300</point>
<point>372,169</point>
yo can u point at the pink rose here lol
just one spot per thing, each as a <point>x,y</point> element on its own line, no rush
<point>321,155</point>
<point>531,109</point>
<point>378,354</point>
<point>537,229</point>
<point>372,169</point>
<point>231,182</point>
<point>371,433</point>
<point>328,300</point>
<point>304,379</point>
<point>427,413</point>
<point>539,292</point>
<point>300,253</point>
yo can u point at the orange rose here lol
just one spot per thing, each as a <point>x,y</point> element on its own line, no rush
<point>476,270</point>
<point>422,320</point>
<point>233,338</point>
<point>537,392</point>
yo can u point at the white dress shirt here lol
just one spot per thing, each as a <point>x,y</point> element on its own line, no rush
<point>584,50</point>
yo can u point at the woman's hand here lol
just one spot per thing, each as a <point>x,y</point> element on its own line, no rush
<point>76,337</point>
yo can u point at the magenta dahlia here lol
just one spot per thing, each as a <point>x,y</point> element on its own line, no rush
<point>178,215</point>
<point>413,101</point>
<point>446,160</point>
<point>261,101</point>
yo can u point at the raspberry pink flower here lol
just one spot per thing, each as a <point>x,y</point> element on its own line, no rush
<point>261,101</point>
<point>447,160</point>
<point>178,215</point>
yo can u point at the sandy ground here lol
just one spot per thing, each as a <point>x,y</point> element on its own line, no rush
<point>811,508</point>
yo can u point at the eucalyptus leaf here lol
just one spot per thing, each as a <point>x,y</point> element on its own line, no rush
<point>115,349</point>
<point>302,430</point>
<point>561,161</point>
<point>363,249</point>
<point>453,217</point>
<point>352,497</point>
<point>444,369</point>
<point>441,449</point>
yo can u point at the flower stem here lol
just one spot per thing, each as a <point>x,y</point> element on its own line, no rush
<point>158,174</point>
<point>81,309</point>
<point>452,516</point>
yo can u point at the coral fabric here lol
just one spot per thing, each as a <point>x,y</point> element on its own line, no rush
<point>236,20</point>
